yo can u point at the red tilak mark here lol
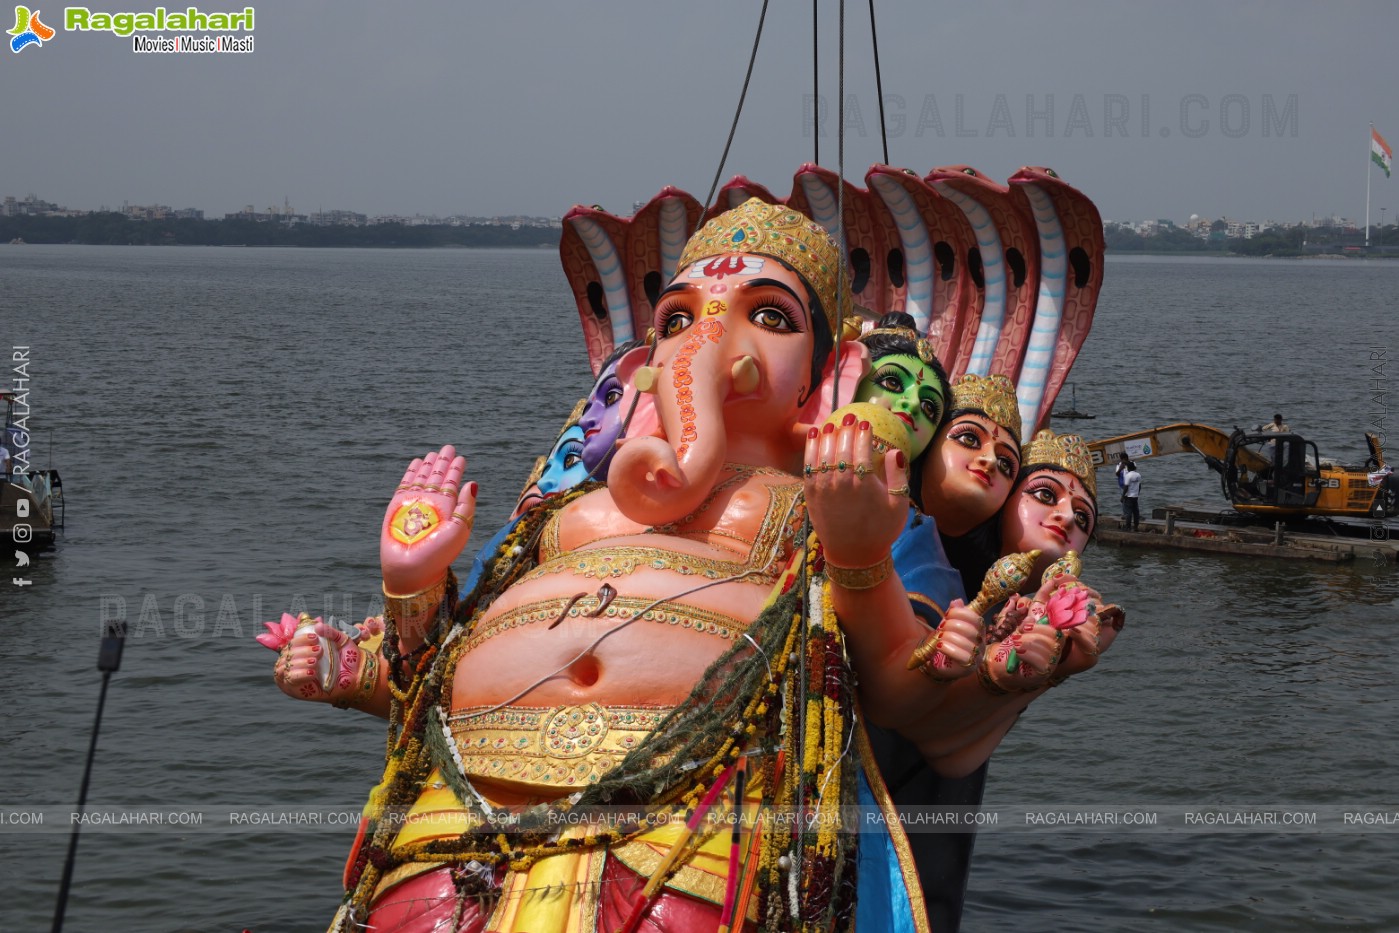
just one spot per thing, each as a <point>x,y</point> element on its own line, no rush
<point>723,265</point>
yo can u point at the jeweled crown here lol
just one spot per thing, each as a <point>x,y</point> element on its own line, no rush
<point>993,396</point>
<point>1065,452</point>
<point>782,233</point>
<point>926,352</point>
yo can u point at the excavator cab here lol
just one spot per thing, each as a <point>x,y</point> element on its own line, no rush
<point>1280,470</point>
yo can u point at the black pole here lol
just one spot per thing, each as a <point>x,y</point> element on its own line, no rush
<point>108,661</point>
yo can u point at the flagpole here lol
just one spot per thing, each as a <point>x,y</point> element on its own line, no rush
<point>1367,185</point>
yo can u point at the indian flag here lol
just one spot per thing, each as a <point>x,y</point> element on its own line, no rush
<point>1380,152</point>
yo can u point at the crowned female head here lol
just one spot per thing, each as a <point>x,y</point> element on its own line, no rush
<point>905,378</point>
<point>975,455</point>
<point>1053,506</point>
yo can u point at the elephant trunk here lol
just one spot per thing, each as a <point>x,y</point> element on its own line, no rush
<point>656,482</point>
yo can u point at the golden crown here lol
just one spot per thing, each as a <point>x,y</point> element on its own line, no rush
<point>1065,452</point>
<point>993,396</point>
<point>926,352</point>
<point>782,233</point>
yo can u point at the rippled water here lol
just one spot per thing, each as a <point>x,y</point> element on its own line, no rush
<point>229,423</point>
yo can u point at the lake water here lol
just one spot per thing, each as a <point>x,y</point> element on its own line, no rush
<point>230,422</point>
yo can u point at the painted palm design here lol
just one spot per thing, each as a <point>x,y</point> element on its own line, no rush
<point>29,30</point>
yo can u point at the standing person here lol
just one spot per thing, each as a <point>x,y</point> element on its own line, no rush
<point>1122,462</point>
<point>1131,482</point>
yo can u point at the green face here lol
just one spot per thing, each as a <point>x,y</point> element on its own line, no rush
<point>910,389</point>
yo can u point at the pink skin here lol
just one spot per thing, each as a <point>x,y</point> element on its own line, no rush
<point>1049,510</point>
<point>411,568</point>
<point>765,320</point>
<point>302,650</point>
<point>967,477</point>
<point>1035,644</point>
<point>857,520</point>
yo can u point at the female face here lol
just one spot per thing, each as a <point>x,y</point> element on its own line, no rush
<point>968,474</point>
<point>910,389</point>
<point>563,469</point>
<point>1050,510</point>
<point>602,421</point>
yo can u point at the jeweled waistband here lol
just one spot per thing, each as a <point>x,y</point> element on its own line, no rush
<point>557,747</point>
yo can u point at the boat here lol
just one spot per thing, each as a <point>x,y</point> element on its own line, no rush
<point>31,500</point>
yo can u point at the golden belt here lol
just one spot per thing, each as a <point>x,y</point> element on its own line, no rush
<point>559,747</point>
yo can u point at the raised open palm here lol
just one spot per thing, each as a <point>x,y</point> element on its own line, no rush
<point>428,522</point>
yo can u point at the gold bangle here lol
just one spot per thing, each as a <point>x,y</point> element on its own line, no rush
<point>412,605</point>
<point>860,578</point>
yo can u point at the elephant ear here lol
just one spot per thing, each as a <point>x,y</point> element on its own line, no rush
<point>854,366</point>
<point>645,421</point>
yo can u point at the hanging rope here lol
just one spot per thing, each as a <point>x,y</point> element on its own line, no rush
<point>879,85</point>
<point>816,80</point>
<point>748,76</point>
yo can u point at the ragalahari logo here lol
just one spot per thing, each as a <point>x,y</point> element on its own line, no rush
<point>28,30</point>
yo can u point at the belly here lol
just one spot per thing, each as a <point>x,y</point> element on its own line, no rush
<point>531,648</point>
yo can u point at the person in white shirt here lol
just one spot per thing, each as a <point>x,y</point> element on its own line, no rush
<point>1131,482</point>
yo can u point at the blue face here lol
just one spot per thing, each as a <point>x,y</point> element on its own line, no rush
<point>564,468</point>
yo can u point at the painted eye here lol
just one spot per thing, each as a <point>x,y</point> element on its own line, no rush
<point>1005,465</point>
<point>613,396</point>
<point>676,322</point>
<point>772,319</point>
<point>931,410</point>
<point>968,439</point>
<point>1043,495</point>
<point>890,383</point>
<point>1081,519</point>
<point>571,460</point>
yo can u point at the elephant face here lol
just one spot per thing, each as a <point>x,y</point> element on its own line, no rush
<point>731,373</point>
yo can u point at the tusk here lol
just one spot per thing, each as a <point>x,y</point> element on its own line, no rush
<point>645,378</point>
<point>745,375</point>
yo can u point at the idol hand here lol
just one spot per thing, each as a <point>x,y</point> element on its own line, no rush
<point>428,522</point>
<point>858,505</point>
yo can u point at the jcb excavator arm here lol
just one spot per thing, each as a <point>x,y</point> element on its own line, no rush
<point>1210,443</point>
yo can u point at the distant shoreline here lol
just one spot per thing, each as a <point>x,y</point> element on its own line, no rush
<point>112,229</point>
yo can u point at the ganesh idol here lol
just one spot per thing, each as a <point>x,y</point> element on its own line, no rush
<point>668,645</point>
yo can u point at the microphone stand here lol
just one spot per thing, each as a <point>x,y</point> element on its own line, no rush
<point>108,662</point>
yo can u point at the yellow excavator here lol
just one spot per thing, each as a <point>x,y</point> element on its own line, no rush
<point>1269,473</point>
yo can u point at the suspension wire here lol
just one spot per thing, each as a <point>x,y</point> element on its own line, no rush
<point>753,57</point>
<point>816,81</point>
<point>879,85</point>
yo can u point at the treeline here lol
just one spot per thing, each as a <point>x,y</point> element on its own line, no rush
<point>1296,241</point>
<point>114,229</point>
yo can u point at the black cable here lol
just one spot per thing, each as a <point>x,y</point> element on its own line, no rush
<point>879,85</point>
<point>816,80</point>
<point>108,661</point>
<point>753,57</point>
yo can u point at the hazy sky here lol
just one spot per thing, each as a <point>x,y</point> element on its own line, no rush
<point>1247,109</point>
